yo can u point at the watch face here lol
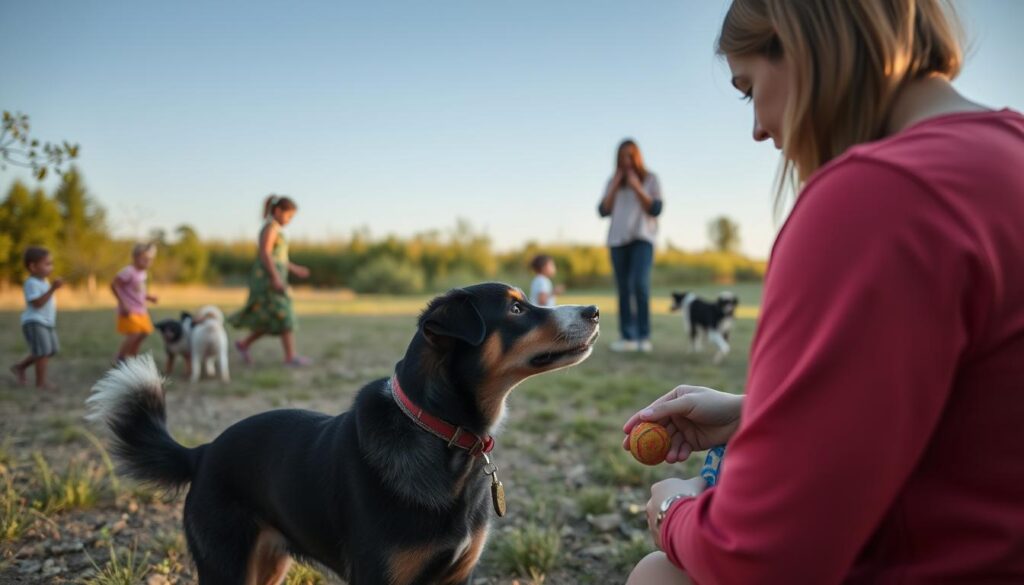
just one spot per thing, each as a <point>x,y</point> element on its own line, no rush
<point>669,501</point>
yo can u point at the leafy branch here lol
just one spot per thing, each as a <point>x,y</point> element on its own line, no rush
<point>19,149</point>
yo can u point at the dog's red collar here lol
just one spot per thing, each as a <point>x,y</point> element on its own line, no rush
<point>456,436</point>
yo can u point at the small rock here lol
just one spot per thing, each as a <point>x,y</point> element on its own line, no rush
<point>628,531</point>
<point>74,546</point>
<point>604,522</point>
<point>568,508</point>
<point>598,551</point>
<point>29,567</point>
<point>51,568</point>
<point>30,551</point>
<point>576,472</point>
<point>158,580</point>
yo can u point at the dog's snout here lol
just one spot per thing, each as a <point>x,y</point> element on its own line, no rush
<point>591,313</point>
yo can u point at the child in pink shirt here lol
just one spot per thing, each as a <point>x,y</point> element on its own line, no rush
<point>129,288</point>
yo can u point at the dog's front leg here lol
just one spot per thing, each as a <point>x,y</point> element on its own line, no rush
<point>170,364</point>
<point>222,365</point>
<point>196,367</point>
<point>723,346</point>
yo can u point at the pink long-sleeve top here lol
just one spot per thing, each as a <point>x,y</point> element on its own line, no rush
<point>882,436</point>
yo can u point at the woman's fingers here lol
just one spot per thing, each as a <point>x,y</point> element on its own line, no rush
<point>644,415</point>
<point>681,406</point>
<point>674,447</point>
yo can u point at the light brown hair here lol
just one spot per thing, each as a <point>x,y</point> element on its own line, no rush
<point>849,60</point>
<point>634,153</point>
<point>144,249</point>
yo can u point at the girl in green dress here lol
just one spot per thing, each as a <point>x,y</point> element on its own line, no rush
<point>269,308</point>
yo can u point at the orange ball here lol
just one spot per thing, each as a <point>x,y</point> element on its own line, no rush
<point>649,443</point>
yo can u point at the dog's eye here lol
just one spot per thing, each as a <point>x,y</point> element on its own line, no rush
<point>516,309</point>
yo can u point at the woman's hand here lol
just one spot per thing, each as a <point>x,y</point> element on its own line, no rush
<point>619,178</point>
<point>633,180</point>
<point>152,298</point>
<point>696,418</point>
<point>277,284</point>
<point>665,489</point>
<point>299,271</point>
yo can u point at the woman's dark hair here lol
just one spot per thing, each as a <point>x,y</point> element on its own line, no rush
<point>540,261</point>
<point>275,202</point>
<point>35,254</point>
<point>634,153</point>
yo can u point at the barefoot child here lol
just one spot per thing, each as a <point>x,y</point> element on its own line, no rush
<point>129,288</point>
<point>268,310</point>
<point>39,320</point>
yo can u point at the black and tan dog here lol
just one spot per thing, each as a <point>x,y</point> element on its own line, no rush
<point>394,491</point>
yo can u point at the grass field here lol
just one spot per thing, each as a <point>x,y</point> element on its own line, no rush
<point>575,498</point>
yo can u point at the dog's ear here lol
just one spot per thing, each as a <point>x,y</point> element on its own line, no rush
<point>453,316</point>
<point>186,315</point>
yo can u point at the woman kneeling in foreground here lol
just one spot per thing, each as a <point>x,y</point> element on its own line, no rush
<point>881,437</point>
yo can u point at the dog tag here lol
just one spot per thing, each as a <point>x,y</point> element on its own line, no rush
<point>497,490</point>
<point>498,496</point>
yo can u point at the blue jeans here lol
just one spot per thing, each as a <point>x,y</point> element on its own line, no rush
<point>632,265</point>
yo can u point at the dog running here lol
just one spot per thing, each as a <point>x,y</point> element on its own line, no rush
<point>703,318</point>
<point>399,490</point>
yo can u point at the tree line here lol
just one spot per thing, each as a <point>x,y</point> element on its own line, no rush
<point>73,225</point>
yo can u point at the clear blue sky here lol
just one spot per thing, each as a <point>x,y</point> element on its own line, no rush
<point>403,115</point>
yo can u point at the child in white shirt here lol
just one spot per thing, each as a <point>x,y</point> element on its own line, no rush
<point>542,291</point>
<point>39,321</point>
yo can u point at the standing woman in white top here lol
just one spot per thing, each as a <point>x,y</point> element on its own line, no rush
<point>633,200</point>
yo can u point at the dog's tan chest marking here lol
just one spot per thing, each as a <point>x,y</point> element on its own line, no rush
<point>406,565</point>
<point>465,563</point>
<point>269,560</point>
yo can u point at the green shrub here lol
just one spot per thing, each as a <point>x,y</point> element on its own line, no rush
<point>388,276</point>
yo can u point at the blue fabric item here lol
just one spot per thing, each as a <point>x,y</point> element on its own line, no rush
<point>712,463</point>
<point>655,208</point>
<point>632,265</point>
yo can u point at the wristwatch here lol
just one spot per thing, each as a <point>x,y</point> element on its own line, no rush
<point>665,508</point>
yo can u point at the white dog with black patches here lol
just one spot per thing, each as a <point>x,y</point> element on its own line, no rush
<point>706,319</point>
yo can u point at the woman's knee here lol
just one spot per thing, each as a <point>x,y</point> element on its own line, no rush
<point>655,569</point>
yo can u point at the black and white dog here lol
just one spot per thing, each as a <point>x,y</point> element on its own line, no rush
<point>703,318</point>
<point>201,340</point>
<point>176,334</point>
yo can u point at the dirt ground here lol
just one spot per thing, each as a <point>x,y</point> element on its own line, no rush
<point>575,498</point>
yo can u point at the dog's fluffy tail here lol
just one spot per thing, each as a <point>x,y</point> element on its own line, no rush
<point>130,401</point>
